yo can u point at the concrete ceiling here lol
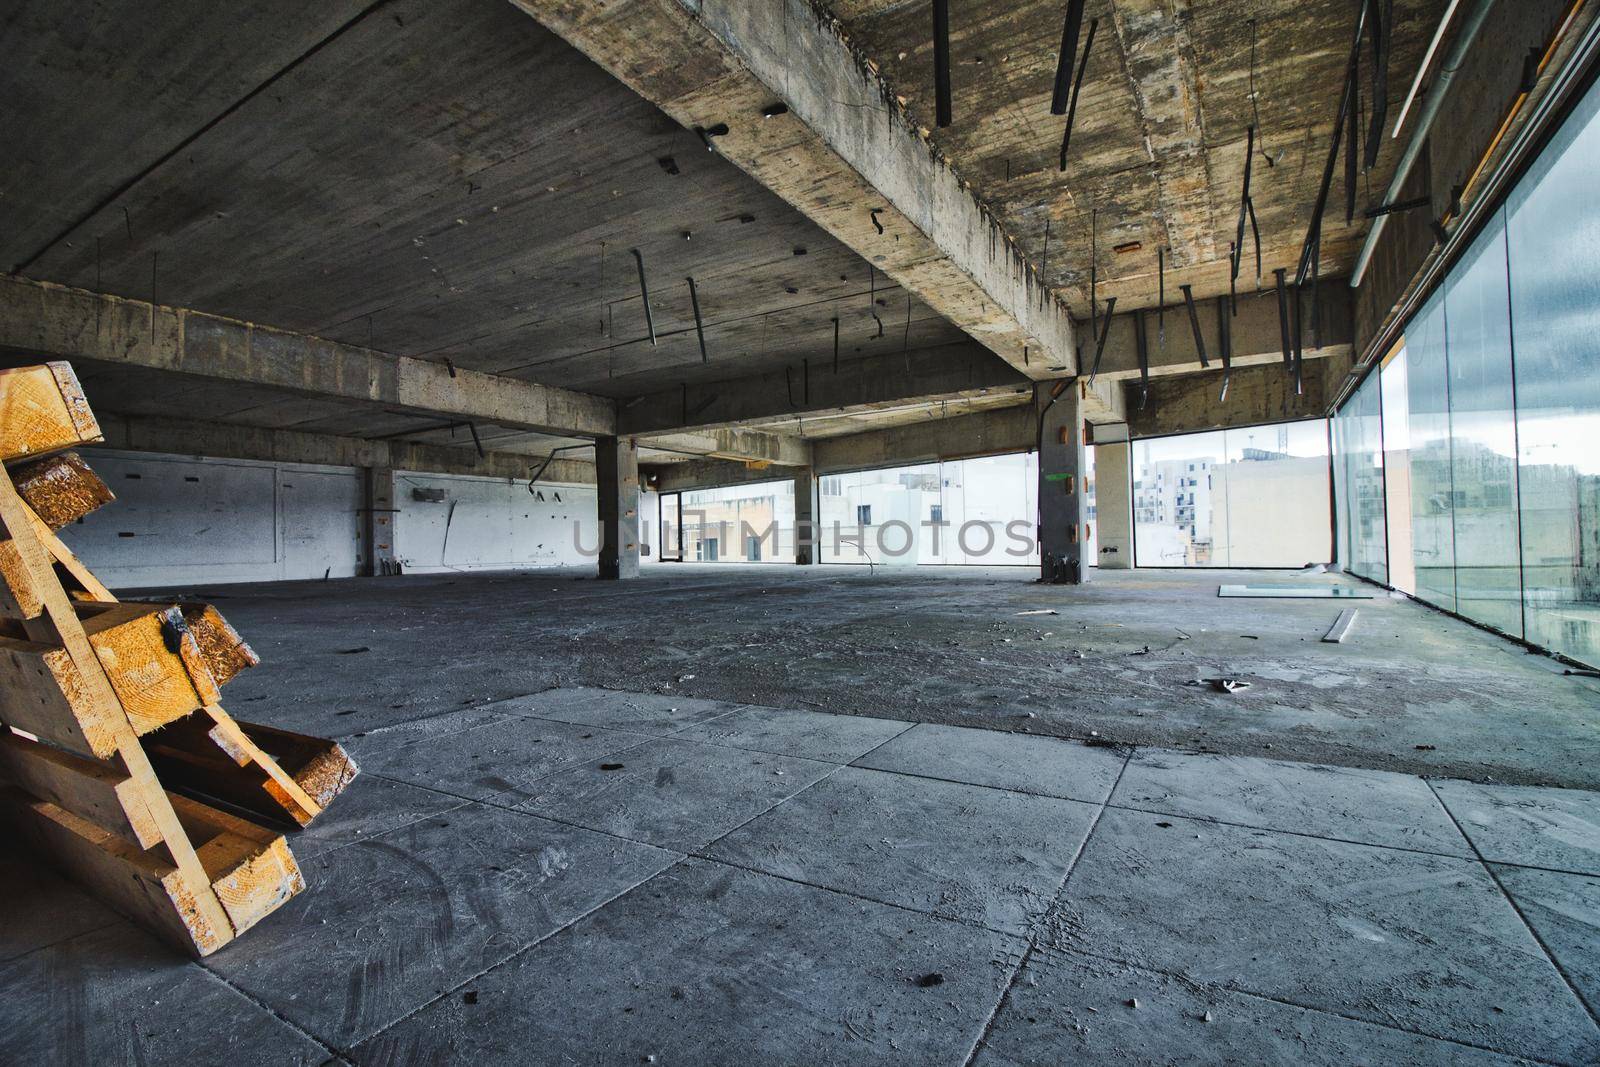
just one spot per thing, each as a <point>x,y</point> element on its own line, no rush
<point>451,181</point>
<point>1158,145</point>
<point>433,179</point>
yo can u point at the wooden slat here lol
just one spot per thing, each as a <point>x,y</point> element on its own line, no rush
<point>61,489</point>
<point>225,653</point>
<point>252,870</point>
<point>155,684</point>
<point>280,785</point>
<point>95,698</point>
<point>43,409</point>
<point>136,883</point>
<point>41,692</point>
<point>321,767</point>
<point>18,600</point>
<point>97,791</point>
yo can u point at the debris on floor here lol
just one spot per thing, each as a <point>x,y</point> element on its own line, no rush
<point>1222,685</point>
<point>1341,627</point>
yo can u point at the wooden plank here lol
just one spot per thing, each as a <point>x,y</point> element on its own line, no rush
<point>225,652</point>
<point>201,758</point>
<point>134,882</point>
<point>61,489</point>
<point>97,791</point>
<point>43,409</point>
<point>1341,626</point>
<point>252,870</point>
<point>17,597</point>
<point>199,910</point>
<point>283,788</point>
<point>321,767</point>
<point>41,692</point>
<point>152,660</point>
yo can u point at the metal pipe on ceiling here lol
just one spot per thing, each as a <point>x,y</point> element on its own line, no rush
<point>1431,106</point>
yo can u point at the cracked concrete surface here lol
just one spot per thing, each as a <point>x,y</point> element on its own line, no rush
<point>1410,690</point>
<point>1048,901</point>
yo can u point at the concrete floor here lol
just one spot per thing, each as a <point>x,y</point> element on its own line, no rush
<point>583,875</point>
<point>1410,690</point>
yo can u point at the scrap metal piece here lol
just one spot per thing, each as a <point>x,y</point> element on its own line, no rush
<point>1194,324</point>
<point>1161,298</point>
<point>1283,314</point>
<point>1070,31</point>
<point>1346,102</point>
<point>1381,14</point>
<point>1245,213</point>
<point>699,327</point>
<point>1224,346</point>
<point>1077,86</point>
<point>1141,346</point>
<point>1100,343</point>
<point>1299,342</point>
<point>644,295</point>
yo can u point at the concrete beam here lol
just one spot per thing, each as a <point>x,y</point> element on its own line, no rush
<point>736,443</point>
<point>184,437</point>
<point>842,150</point>
<point>983,433</point>
<point>708,474</point>
<point>1256,336</point>
<point>948,372</point>
<point>54,321</point>
<point>1256,395</point>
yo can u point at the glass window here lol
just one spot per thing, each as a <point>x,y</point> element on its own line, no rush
<point>1432,491</point>
<point>971,511</point>
<point>737,524</point>
<point>1483,437</point>
<point>1553,239</point>
<point>1264,500</point>
<point>1359,470</point>
<point>1393,385</point>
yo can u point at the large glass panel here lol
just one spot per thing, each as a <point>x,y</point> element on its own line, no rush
<point>1359,465</point>
<point>1483,438</point>
<point>1255,497</point>
<point>1394,386</point>
<point>1172,500</point>
<point>1272,500</point>
<point>1428,406</point>
<point>972,511</point>
<point>737,524</point>
<point>1553,235</point>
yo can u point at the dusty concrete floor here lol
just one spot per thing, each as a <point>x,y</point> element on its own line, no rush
<point>583,876</point>
<point>1410,690</point>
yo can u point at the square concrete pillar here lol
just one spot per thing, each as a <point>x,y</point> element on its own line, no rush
<point>616,461</point>
<point>1063,501</point>
<point>378,518</point>
<point>805,516</point>
<point>1113,504</point>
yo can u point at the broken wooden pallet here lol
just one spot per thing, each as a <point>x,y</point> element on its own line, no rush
<point>113,740</point>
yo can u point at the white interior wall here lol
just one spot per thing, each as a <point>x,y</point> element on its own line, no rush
<point>493,523</point>
<point>181,520</point>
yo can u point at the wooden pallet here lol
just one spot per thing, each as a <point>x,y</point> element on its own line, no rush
<point>118,762</point>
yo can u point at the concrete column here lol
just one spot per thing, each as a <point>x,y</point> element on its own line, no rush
<point>1113,504</point>
<point>805,516</point>
<point>1062,499</point>
<point>616,462</point>
<point>377,526</point>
